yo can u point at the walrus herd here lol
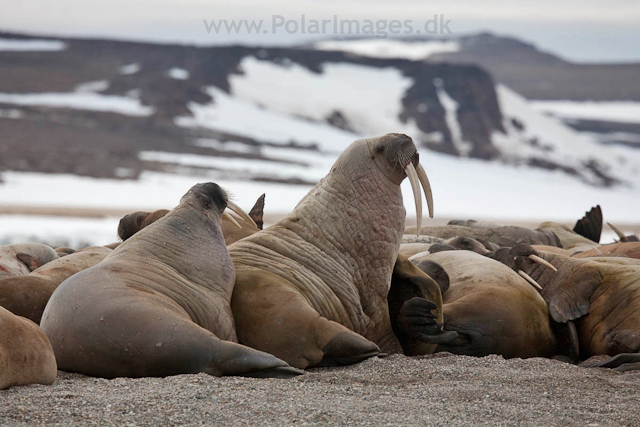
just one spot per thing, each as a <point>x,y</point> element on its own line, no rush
<point>204,288</point>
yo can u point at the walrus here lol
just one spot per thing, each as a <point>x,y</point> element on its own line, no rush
<point>26,356</point>
<point>415,306</point>
<point>27,295</point>
<point>627,249</point>
<point>455,243</point>
<point>158,305</point>
<point>600,295</point>
<point>312,289</point>
<point>23,258</point>
<point>236,224</point>
<point>493,309</point>
<point>64,251</point>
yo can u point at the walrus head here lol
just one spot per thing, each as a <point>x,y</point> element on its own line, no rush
<point>396,155</point>
<point>209,195</point>
<point>130,224</point>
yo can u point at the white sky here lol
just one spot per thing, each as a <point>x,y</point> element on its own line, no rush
<point>594,30</point>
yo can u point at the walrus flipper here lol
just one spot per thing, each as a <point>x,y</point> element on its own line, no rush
<point>590,225</point>
<point>257,212</point>
<point>622,362</point>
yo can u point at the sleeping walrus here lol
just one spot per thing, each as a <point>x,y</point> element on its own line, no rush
<point>26,356</point>
<point>601,295</point>
<point>27,295</point>
<point>493,309</point>
<point>158,305</point>
<point>23,258</point>
<point>312,289</point>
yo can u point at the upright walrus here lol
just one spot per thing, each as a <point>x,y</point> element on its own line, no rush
<point>158,305</point>
<point>312,289</point>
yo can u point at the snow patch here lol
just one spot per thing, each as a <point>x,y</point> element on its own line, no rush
<point>236,116</point>
<point>11,113</point>
<point>178,73</point>
<point>614,111</point>
<point>130,69</point>
<point>391,48</point>
<point>370,99</point>
<point>96,86</point>
<point>80,101</point>
<point>16,45</point>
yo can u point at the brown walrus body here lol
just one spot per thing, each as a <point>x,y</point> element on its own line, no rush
<point>602,296</point>
<point>26,357</point>
<point>505,236</point>
<point>626,249</point>
<point>27,295</point>
<point>158,305</point>
<point>492,308</point>
<point>243,225</point>
<point>313,287</point>
<point>23,258</point>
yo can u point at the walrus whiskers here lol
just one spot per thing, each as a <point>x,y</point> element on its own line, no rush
<point>529,279</point>
<point>536,258</point>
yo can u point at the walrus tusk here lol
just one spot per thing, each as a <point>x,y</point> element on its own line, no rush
<point>236,209</point>
<point>529,279</point>
<point>617,231</point>
<point>426,187</point>
<point>231,219</point>
<point>597,250</point>
<point>410,170</point>
<point>536,258</point>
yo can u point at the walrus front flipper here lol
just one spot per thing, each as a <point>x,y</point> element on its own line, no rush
<point>621,362</point>
<point>590,225</point>
<point>415,305</point>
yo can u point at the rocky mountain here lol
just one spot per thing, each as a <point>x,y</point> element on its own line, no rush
<point>113,109</point>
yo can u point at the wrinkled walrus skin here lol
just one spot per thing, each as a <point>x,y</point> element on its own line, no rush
<point>26,357</point>
<point>312,289</point>
<point>158,305</point>
<point>27,295</point>
<point>23,258</point>
<point>493,309</point>
<point>602,296</point>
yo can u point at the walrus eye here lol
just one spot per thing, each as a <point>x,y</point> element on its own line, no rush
<point>379,149</point>
<point>139,220</point>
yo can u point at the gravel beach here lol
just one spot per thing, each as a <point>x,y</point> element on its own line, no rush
<point>430,390</point>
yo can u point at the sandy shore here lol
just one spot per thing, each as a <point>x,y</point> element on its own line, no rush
<point>431,390</point>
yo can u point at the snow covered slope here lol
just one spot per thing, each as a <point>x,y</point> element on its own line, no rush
<point>150,121</point>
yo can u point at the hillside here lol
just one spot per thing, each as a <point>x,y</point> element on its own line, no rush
<point>149,120</point>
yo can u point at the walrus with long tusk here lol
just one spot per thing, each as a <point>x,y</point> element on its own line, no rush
<point>312,289</point>
<point>158,305</point>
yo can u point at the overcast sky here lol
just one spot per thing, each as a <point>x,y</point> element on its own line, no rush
<point>586,30</point>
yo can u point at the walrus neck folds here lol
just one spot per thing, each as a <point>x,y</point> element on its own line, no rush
<point>204,237</point>
<point>346,232</point>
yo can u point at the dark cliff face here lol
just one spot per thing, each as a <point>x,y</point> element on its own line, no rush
<point>99,144</point>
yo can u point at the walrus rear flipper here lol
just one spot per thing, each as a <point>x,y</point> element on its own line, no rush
<point>590,225</point>
<point>257,212</point>
<point>622,362</point>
